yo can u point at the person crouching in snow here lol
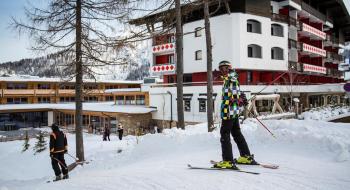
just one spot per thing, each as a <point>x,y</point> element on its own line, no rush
<point>58,147</point>
<point>232,99</point>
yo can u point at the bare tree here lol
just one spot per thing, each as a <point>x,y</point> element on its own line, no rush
<point>79,30</point>
<point>179,65</point>
<point>210,102</point>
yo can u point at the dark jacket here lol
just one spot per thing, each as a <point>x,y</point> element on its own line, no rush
<point>58,142</point>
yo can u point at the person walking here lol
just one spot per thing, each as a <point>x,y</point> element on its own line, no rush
<point>231,101</point>
<point>58,147</point>
<point>120,131</point>
<point>107,132</point>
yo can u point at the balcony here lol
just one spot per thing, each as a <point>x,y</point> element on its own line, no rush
<point>314,69</point>
<point>163,69</point>
<point>334,73</point>
<point>44,92</point>
<point>309,31</point>
<point>163,48</point>
<point>310,12</point>
<point>283,18</point>
<point>311,50</point>
<point>334,57</point>
<point>11,92</point>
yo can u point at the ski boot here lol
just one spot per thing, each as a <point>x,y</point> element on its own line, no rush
<point>226,165</point>
<point>58,177</point>
<point>248,160</point>
<point>65,176</point>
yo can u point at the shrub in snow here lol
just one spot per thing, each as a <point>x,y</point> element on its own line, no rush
<point>26,142</point>
<point>40,145</point>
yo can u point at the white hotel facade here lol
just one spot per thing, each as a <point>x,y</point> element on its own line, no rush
<point>262,39</point>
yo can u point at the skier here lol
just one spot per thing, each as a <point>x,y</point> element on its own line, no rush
<point>232,99</point>
<point>58,147</point>
<point>120,131</point>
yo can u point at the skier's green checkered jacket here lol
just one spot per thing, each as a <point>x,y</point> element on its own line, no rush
<point>230,96</point>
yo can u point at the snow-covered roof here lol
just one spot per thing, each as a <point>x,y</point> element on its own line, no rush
<point>123,90</point>
<point>39,79</point>
<point>96,107</point>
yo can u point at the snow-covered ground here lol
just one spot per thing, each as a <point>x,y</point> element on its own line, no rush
<point>312,154</point>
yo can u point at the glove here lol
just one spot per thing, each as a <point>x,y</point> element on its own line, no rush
<point>243,100</point>
<point>65,151</point>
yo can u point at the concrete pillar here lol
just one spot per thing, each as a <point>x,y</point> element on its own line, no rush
<point>325,98</point>
<point>50,118</point>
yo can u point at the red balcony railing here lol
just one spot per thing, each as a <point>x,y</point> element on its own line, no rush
<point>311,30</point>
<point>309,49</point>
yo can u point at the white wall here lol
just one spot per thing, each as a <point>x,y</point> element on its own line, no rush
<point>49,118</point>
<point>230,41</point>
<point>161,99</point>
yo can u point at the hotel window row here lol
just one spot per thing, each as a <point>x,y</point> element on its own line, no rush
<point>254,26</point>
<point>255,51</point>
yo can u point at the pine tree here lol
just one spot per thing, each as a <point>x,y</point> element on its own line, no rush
<point>26,143</point>
<point>40,145</point>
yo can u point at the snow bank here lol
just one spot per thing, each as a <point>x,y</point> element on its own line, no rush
<point>312,154</point>
<point>325,113</point>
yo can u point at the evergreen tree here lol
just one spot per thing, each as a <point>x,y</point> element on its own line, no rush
<point>40,145</point>
<point>26,142</point>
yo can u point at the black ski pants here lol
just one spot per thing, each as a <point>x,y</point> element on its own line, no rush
<point>59,164</point>
<point>231,127</point>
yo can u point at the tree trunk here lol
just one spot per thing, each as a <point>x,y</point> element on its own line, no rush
<point>210,102</point>
<point>79,85</point>
<point>179,66</point>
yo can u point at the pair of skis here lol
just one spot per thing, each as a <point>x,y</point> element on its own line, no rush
<point>269,166</point>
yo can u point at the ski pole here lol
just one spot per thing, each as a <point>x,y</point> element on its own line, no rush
<point>265,127</point>
<point>76,159</point>
<point>256,117</point>
<point>65,167</point>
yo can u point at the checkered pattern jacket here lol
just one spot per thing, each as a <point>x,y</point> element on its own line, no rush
<point>230,96</point>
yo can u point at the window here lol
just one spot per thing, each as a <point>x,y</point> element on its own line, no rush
<point>202,105</point>
<point>277,53</point>
<point>140,100</point>
<point>67,99</point>
<point>43,86</point>
<point>171,59</point>
<point>187,105</point>
<point>130,100</point>
<point>187,78</point>
<point>198,32</point>
<point>253,26</point>
<point>119,100</point>
<point>68,86</point>
<point>292,44</point>
<point>276,30</point>
<point>17,86</point>
<point>249,77</point>
<point>90,99</point>
<point>198,55</point>
<point>254,51</point>
<point>17,100</point>
<point>109,98</point>
<point>43,99</point>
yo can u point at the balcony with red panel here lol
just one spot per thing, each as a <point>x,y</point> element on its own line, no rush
<point>163,64</point>
<point>163,44</point>
<point>306,30</point>
<point>312,51</point>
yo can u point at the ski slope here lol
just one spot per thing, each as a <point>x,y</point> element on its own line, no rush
<point>312,154</point>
